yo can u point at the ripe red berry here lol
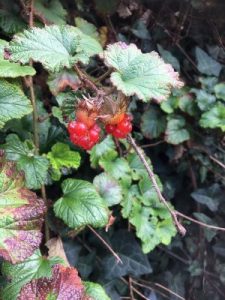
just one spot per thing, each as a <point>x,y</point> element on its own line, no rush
<point>83,136</point>
<point>121,129</point>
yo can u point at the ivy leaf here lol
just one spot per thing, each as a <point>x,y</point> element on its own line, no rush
<point>206,64</point>
<point>64,284</point>
<point>20,274</point>
<point>54,46</point>
<point>214,118</point>
<point>95,291</point>
<point>135,263</point>
<point>145,75</point>
<point>169,58</point>
<point>34,166</point>
<point>21,215</point>
<point>87,28</point>
<point>153,123</point>
<point>81,205</point>
<point>220,91</point>
<point>108,188</point>
<point>13,103</point>
<point>176,132</point>
<point>50,12</point>
<point>61,156</point>
<point>102,150</point>
<point>211,197</point>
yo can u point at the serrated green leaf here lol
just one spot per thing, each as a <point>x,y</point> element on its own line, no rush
<point>153,123</point>
<point>81,205</point>
<point>118,168</point>
<point>206,64</point>
<point>102,150</point>
<point>95,291</point>
<point>13,103</point>
<point>51,12</point>
<point>54,46</point>
<point>135,263</point>
<point>176,132</point>
<point>61,156</point>
<point>187,104</point>
<point>214,118</point>
<point>13,70</point>
<point>137,167</point>
<point>220,91</point>
<point>145,75</point>
<point>35,167</point>
<point>20,274</point>
<point>108,188</point>
<point>21,215</point>
<point>149,194</point>
<point>170,104</point>
<point>87,28</point>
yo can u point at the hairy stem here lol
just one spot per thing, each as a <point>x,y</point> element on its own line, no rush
<point>151,175</point>
<point>35,121</point>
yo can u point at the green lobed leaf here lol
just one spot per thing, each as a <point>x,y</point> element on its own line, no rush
<point>153,123</point>
<point>102,150</point>
<point>214,118</point>
<point>220,91</point>
<point>176,132</point>
<point>21,215</point>
<point>81,205</point>
<point>34,166</point>
<point>13,103</point>
<point>36,266</point>
<point>61,156</point>
<point>108,188</point>
<point>145,75</point>
<point>54,46</point>
<point>50,12</point>
<point>204,99</point>
<point>95,291</point>
<point>152,227</point>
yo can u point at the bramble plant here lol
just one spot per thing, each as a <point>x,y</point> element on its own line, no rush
<point>81,116</point>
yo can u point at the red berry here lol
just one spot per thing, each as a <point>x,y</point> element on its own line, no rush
<point>94,135</point>
<point>125,126</point>
<point>71,126</point>
<point>110,128</point>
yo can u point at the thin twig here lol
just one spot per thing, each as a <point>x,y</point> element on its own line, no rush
<point>106,244</point>
<point>217,161</point>
<point>103,76</point>
<point>135,290</point>
<point>83,77</point>
<point>131,289</point>
<point>152,145</point>
<point>199,222</point>
<point>151,175</point>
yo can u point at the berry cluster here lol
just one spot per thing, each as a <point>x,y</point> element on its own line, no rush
<point>121,129</point>
<point>82,135</point>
